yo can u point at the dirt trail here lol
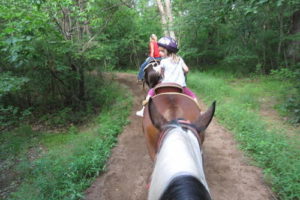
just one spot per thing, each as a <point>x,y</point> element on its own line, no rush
<point>228,173</point>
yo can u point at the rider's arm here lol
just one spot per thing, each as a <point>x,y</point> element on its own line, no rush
<point>185,67</point>
<point>151,49</point>
<point>157,69</point>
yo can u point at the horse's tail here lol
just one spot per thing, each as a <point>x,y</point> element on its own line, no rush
<point>186,187</point>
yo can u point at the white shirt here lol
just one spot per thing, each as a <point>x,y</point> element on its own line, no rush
<point>173,71</point>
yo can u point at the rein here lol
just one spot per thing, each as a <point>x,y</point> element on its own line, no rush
<point>184,124</point>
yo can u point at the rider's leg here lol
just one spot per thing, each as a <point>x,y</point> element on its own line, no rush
<point>189,92</point>
<point>149,95</point>
<point>142,67</point>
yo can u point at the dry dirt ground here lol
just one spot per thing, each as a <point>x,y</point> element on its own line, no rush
<point>228,172</point>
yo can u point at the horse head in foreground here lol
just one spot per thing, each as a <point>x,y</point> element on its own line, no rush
<point>178,173</point>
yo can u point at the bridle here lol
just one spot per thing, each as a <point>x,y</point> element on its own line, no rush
<point>179,122</point>
<point>150,62</point>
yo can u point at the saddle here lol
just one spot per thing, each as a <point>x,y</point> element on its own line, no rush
<point>168,87</point>
<point>172,104</point>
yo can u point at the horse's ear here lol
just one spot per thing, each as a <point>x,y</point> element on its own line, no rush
<point>156,118</point>
<point>204,120</point>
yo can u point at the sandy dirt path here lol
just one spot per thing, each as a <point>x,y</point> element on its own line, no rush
<point>229,175</point>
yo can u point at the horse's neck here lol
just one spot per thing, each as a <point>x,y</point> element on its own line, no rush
<point>180,154</point>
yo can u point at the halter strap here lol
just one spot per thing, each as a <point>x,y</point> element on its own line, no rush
<point>180,122</point>
<point>155,60</point>
<point>150,62</point>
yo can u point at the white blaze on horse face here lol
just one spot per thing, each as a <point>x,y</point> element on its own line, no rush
<point>180,154</point>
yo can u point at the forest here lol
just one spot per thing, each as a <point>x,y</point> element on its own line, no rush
<point>47,48</point>
<point>54,60</point>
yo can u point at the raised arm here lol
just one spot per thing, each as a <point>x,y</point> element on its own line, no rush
<point>158,69</point>
<point>151,49</point>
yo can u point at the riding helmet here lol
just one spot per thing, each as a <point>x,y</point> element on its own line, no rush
<point>168,43</point>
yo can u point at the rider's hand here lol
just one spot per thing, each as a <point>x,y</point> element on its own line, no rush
<point>157,69</point>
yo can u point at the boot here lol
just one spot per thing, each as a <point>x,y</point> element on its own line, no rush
<point>140,113</point>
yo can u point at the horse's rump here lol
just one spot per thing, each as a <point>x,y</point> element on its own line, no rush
<point>171,106</point>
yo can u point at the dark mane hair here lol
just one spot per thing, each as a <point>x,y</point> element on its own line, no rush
<point>152,77</point>
<point>185,188</point>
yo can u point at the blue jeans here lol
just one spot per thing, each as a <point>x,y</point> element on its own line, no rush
<point>140,75</point>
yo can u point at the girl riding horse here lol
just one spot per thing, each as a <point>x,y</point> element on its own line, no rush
<point>172,69</point>
<point>153,55</point>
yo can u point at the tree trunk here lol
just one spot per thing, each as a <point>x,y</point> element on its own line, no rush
<point>81,94</point>
<point>280,19</point>
<point>294,46</point>
<point>170,18</point>
<point>163,17</point>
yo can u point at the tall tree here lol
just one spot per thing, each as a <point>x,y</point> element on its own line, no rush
<point>170,18</point>
<point>165,10</point>
<point>47,49</point>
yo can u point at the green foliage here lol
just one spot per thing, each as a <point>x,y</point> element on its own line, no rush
<point>10,115</point>
<point>69,161</point>
<point>273,151</point>
<point>292,99</point>
<point>283,74</point>
<point>48,48</point>
<point>15,142</point>
<point>11,84</point>
<point>249,36</point>
<point>244,37</point>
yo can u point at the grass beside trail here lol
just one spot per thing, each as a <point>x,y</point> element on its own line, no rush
<point>62,165</point>
<point>238,103</point>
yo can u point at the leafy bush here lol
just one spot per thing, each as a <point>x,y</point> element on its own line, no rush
<point>10,84</point>
<point>292,102</point>
<point>10,114</point>
<point>277,154</point>
<point>44,62</point>
<point>73,159</point>
<point>241,63</point>
<point>283,74</point>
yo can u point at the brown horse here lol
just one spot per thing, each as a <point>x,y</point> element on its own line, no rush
<point>174,130</point>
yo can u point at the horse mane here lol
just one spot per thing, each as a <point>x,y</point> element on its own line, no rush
<point>185,187</point>
<point>152,77</point>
